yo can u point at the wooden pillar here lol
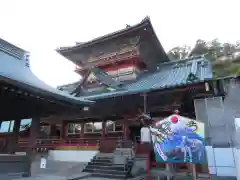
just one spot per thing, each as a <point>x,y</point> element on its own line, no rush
<point>125,129</point>
<point>103,135</point>
<point>145,103</point>
<point>62,130</point>
<point>34,133</point>
<point>13,143</point>
<point>82,130</point>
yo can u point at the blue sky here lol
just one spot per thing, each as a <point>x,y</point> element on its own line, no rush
<point>40,26</point>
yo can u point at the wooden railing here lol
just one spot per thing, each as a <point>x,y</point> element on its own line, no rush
<point>106,145</point>
<point>127,53</point>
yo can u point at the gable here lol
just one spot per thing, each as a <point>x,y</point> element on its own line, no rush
<point>96,81</point>
<point>91,79</point>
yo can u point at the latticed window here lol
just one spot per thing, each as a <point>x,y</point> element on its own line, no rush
<point>7,126</point>
<point>46,129</point>
<point>110,126</point>
<point>88,127</point>
<point>125,73</point>
<point>119,125</point>
<point>92,127</point>
<point>74,128</point>
<point>114,126</point>
<point>97,127</point>
<point>25,124</point>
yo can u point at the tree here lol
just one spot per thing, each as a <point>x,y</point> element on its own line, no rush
<point>179,52</point>
<point>223,55</point>
<point>200,48</point>
<point>228,49</point>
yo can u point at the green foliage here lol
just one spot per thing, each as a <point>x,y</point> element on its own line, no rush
<point>224,56</point>
<point>180,52</point>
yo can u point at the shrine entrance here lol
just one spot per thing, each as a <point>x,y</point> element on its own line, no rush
<point>135,133</point>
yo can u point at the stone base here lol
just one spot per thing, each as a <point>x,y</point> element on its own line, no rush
<point>214,177</point>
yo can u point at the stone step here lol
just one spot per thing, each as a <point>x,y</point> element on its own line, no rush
<point>102,166</point>
<point>104,155</point>
<point>105,160</point>
<point>106,167</point>
<point>183,177</point>
<point>105,171</point>
<point>100,163</point>
<point>110,176</point>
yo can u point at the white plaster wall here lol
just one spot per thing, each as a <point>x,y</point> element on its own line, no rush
<point>71,155</point>
<point>237,161</point>
<point>211,160</point>
<point>221,161</point>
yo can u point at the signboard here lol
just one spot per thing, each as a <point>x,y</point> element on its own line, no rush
<point>178,139</point>
<point>43,163</point>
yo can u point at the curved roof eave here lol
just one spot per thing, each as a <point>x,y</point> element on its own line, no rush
<point>143,23</point>
<point>13,71</point>
<point>46,93</point>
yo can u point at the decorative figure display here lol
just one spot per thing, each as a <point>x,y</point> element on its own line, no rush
<point>178,139</point>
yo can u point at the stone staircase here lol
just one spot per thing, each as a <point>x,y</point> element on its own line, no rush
<point>117,165</point>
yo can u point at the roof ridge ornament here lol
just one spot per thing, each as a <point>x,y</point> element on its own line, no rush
<point>192,78</point>
<point>27,61</point>
<point>147,18</point>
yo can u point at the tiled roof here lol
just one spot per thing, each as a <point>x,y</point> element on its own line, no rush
<point>18,52</point>
<point>69,87</point>
<point>167,75</point>
<point>13,70</point>
<point>144,22</point>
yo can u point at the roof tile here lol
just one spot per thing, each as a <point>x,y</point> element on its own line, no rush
<point>167,75</point>
<point>14,69</point>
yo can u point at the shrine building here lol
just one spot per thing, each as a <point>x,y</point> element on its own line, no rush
<point>125,75</point>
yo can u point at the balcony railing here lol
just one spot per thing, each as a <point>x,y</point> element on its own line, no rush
<point>110,58</point>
